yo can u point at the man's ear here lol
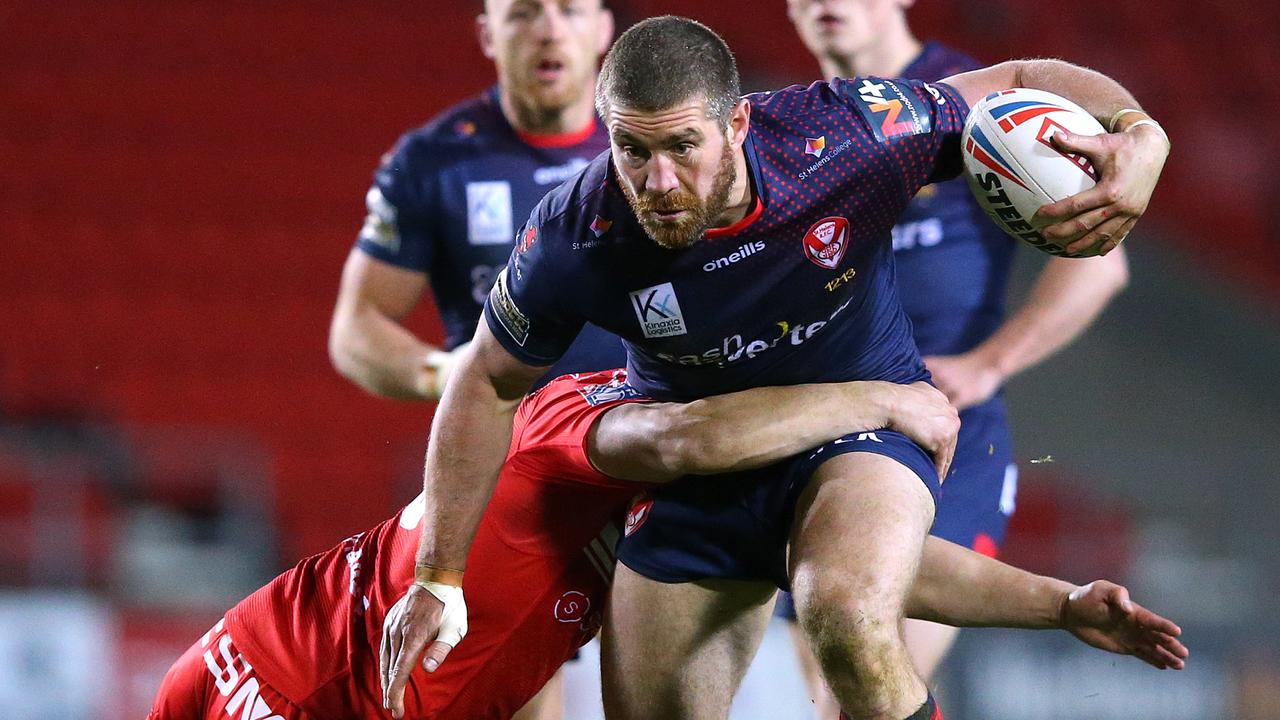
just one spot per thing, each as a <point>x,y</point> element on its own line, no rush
<point>739,122</point>
<point>484,36</point>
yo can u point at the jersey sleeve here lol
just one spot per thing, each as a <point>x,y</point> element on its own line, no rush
<point>553,425</point>
<point>531,309</point>
<point>918,124</point>
<point>398,227</point>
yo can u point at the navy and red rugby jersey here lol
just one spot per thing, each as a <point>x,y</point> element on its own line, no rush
<point>801,290</point>
<point>953,262</point>
<point>448,198</point>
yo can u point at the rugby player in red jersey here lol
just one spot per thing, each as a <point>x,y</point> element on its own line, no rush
<point>309,644</point>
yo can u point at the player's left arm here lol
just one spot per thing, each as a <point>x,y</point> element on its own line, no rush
<point>1068,296</point>
<point>1129,158</point>
<point>957,586</point>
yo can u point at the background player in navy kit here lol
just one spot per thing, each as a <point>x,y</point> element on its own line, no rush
<point>952,271</point>
<point>446,202</point>
<point>816,304</point>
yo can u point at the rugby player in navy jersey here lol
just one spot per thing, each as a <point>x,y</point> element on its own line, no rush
<point>447,200</point>
<point>735,242</point>
<point>952,272</point>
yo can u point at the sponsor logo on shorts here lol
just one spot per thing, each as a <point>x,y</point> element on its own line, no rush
<point>572,607</point>
<point>658,311</point>
<point>637,515</point>
<point>815,146</point>
<point>504,306</point>
<point>825,243</point>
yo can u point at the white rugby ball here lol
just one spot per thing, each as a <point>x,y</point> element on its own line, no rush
<point>1013,169</point>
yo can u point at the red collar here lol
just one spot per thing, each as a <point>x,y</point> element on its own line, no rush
<point>557,140</point>
<point>756,211</point>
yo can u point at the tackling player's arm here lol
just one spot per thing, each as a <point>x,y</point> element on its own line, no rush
<point>367,343</point>
<point>1129,158</point>
<point>960,587</point>
<point>659,442</point>
<point>1067,297</point>
<point>656,442</point>
<point>470,437</point>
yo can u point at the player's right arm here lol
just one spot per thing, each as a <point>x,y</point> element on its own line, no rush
<point>470,437</point>
<point>659,442</point>
<point>530,319</point>
<point>384,278</point>
<point>367,342</point>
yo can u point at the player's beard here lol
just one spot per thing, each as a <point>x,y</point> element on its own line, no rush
<point>699,215</point>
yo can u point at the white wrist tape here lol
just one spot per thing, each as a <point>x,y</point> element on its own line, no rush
<point>1111,126</point>
<point>453,621</point>
<point>1152,123</point>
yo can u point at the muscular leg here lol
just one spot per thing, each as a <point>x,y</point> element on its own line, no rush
<point>825,706</point>
<point>679,651</point>
<point>855,549</point>
<point>548,704</point>
<point>928,644</point>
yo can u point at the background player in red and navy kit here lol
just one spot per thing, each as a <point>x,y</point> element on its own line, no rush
<point>446,202</point>
<point>796,286</point>
<point>953,267</point>
<point>306,646</point>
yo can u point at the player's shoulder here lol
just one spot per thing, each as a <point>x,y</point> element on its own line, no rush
<point>456,129</point>
<point>576,206</point>
<point>568,405</point>
<point>937,61</point>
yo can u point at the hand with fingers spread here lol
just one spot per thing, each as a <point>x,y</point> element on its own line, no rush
<point>429,613</point>
<point>1128,165</point>
<point>923,413</point>
<point>1102,615</point>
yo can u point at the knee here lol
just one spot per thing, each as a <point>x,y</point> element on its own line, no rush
<point>847,627</point>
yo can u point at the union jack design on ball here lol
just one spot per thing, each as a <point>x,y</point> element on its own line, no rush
<point>1011,115</point>
<point>984,152</point>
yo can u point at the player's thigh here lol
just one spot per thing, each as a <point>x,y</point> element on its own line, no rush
<point>548,704</point>
<point>679,650</point>
<point>858,533</point>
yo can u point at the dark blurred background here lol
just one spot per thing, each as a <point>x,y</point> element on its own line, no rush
<point>180,182</point>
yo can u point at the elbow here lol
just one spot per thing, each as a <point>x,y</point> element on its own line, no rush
<point>340,355</point>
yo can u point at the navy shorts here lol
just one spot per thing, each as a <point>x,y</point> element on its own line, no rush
<point>736,526</point>
<point>977,499</point>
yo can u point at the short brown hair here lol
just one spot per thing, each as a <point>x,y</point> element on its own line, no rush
<point>661,61</point>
